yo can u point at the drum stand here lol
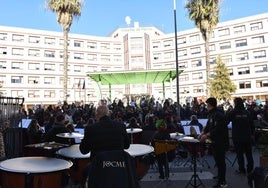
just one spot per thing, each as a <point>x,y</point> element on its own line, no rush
<point>195,181</point>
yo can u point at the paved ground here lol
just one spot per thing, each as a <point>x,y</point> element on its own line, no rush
<point>180,174</point>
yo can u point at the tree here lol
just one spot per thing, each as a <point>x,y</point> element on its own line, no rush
<point>222,87</point>
<point>205,14</point>
<point>65,10</point>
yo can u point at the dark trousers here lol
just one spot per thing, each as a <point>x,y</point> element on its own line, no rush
<point>219,157</point>
<point>242,148</point>
<point>162,163</point>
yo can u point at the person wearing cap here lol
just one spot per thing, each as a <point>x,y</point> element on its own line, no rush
<point>216,130</point>
<point>161,134</point>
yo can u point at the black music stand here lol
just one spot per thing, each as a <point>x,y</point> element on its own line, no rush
<point>195,181</point>
<point>164,146</point>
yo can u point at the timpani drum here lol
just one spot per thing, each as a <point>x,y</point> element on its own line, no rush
<point>79,160</point>
<point>34,172</point>
<point>138,151</point>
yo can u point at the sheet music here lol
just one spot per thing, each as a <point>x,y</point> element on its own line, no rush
<point>187,129</point>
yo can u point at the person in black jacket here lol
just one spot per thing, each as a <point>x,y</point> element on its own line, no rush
<point>104,135</point>
<point>162,135</point>
<point>242,135</point>
<point>216,129</point>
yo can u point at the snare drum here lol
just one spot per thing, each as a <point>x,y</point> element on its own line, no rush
<point>139,151</point>
<point>34,172</point>
<point>79,160</point>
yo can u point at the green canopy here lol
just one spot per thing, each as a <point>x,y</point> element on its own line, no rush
<point>133,77</point>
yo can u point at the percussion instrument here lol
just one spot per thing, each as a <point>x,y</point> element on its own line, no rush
<point>80,161</point>
<point>133,131</point>
<point>138,151</point>
<point>34,172</point>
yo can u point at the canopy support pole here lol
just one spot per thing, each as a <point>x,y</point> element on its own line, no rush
<point>163,89</point>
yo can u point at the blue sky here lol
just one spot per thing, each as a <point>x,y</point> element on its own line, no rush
<point>101,17</point>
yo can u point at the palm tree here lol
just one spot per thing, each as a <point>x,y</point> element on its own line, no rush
<point>205,14</point>
<point>65,10</point>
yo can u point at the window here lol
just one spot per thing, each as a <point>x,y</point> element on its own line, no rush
<point>3,50</point>
<point>184,90</point>
<point>197,76</point>
<point>184,77</point>
<point>157,56</point>
<point>195,38</point>
<point>34,39</point>
<point>33,66</point>
<point>196,63</point>
<point>3,64</point>
<point>239,29</point>
<point>181,40</point>
<point>182,53</point>
<point>17,51</point>
<point>168,55</point>
<point>2,79</point>
<point>16,79</point>
<point>168,43</point>
<point>117,47</point>
<point>35,53</point>
<point>105,58</point>
<point>212,60</point>
<point>92,45</point>
<point>224,32</point>
<point>17,38</point>
<point>244,85</point>
<point>261,68</point>
<point>195,50</point>
<point>62,41</point>
<point>256,26</point>
<point>3,36</point>
<point>33,94</point>
<point>261,83</point>
<point>225,45</point>
<point>49,80</point>
<point>17,65</point>
<point>105,46</point>
<point>183,64</point>
<point>61,54</point>
<point>50,41</point>
<point>258,40</point>
<point>212,47</point>
<point>240,43</point>
<point>242,56</point>
<point>33,80</point>
<point>198,89</point>
<point>156,44</point>
<point>78,44</point>
<point>243,70</point>
<point>49,53</point>
<point>17,93</point>
<point>49,94</point>
<point>49,67</point>
<point>78,56</point>
<point>231,72</point>
<point>227,59</point>
<point>92,57</point>
<point>259,54</point>
<point>78,68</point>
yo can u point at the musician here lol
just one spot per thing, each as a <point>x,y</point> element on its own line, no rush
<point>217,130</point>
<point>161,134</point>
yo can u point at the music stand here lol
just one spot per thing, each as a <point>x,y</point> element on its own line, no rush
<point>195,181</point>
<point>164,146</point>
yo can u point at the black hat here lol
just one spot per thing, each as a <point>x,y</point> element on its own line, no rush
<point>212,101</point>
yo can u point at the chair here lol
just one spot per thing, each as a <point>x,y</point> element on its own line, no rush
<point>112,169</point>
<point>163,147</point>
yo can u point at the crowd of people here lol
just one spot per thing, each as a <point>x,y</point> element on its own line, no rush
<point>147,115</point>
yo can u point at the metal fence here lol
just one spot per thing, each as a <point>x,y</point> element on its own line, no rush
<point>10,133</point>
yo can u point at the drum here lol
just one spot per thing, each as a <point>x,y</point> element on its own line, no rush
<point>79,160</point>
<point>34,172</point>
<point>138,151</point>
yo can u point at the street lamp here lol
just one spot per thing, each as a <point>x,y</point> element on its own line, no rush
<point>176,61</point>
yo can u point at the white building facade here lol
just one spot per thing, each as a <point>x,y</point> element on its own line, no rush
<point>31,62</point>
